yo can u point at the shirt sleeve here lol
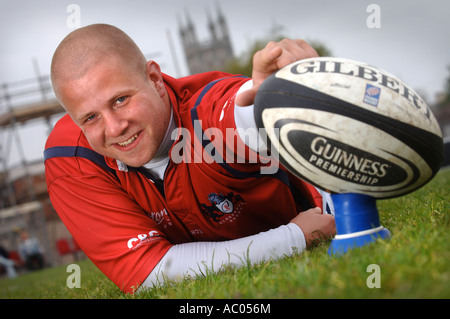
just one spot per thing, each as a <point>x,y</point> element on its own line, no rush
<point>192,259</point>
<point>246,125</point>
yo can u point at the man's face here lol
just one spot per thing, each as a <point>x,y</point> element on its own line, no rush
<point>124,114</point>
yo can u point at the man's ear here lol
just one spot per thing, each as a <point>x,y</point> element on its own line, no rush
<point>154,75</point>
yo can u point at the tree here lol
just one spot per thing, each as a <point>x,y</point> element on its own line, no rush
<point>446,99</point>
<point>243,64</point>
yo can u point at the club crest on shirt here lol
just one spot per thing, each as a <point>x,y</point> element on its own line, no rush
<point>223,208</point>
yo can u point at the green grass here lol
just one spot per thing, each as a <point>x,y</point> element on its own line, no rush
<point>414,263</point>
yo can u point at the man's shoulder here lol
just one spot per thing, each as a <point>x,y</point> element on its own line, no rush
<point>186,87</point>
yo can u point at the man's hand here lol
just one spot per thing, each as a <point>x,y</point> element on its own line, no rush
<point>315,225</point>
<point>273,57</point>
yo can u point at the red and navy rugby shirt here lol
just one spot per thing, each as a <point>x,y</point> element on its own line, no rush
<point>125,222</point>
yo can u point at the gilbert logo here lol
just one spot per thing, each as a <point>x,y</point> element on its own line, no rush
<point>362,71</point>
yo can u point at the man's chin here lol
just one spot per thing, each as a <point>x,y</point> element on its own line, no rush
<point>134,161</point>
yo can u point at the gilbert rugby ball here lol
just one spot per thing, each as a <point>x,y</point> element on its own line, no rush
<point>348,127</point>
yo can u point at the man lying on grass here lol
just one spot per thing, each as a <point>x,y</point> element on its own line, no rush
<point>151,175</point>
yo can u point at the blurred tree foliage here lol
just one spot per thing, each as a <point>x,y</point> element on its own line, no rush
<point>243,63</point>
<point>441,110</point>
<point>445,102</point>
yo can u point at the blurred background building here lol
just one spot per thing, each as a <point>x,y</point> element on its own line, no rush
<point>24,202</point>
<point>213,53</point>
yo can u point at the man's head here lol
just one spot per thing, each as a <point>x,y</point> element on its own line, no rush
<point>112,93</point>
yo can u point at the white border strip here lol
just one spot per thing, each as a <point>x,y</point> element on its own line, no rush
<point>359,233</point>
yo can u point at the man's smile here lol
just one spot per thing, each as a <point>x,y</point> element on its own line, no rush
<point>129,141</point>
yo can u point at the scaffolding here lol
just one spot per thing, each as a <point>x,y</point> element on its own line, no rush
<point>23,194</point>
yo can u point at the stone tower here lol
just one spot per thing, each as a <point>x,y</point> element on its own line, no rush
<point>212,54</point>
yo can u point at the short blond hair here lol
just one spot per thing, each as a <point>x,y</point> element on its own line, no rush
<point>84,47</point>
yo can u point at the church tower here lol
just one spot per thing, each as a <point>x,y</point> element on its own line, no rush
<point>212,54</point>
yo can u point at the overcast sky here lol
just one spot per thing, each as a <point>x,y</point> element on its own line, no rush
<point>412,41</point>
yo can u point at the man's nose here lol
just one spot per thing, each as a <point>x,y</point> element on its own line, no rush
<point>115,124</point>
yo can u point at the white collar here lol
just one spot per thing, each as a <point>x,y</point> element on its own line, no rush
<point>162,154</point>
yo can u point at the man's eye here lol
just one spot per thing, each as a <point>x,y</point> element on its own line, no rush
<point>121,99</point>
<point>90,118</point>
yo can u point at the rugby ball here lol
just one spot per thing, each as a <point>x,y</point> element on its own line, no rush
<point>348,127</point>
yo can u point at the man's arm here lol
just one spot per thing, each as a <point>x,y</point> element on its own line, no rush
<point>273,57</point>
<point>196,258</point>
<point>193,259</point>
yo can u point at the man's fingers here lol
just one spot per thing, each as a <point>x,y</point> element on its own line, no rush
<point>308,50</point>
<point>294,50</point>
<point>315,210</point>
<point>273,57</point>
<point>276,55</point>
<point>247,98</point>
<point>266,58</point>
